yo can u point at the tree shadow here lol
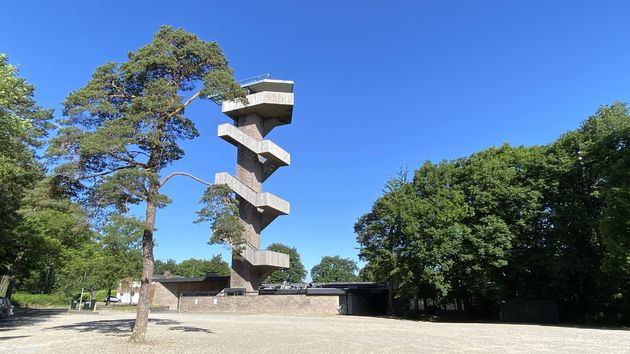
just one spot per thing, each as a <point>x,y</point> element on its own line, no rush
<point>28,318</point>
<point>125,326</point>
<point>465,320</point>
<point>190,329</point>
<point>12,337</point>
<point>111,326</point>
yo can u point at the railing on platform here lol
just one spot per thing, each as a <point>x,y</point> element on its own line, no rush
<point>218,99</point>
<point>253,80</point>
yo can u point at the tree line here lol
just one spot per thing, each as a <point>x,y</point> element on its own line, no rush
<point>329,269</point>
<point>193,267</point>
<point>513,222</point>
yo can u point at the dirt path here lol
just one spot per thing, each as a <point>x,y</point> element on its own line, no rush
<point>58,332</point>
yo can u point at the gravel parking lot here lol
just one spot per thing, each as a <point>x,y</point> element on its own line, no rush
<point>49,331</point>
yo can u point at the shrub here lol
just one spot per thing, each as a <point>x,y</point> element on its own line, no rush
<point>102,294</point>
<point>24,299</point>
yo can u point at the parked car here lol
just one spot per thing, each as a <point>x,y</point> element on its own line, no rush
<point>6,309</point>
<point>112,299</point>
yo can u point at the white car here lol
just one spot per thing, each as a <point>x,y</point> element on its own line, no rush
<point>113,299</point>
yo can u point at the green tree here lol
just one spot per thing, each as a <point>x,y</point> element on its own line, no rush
<point>589,214</point>
<point>122,129</point>
<point>160,267</point>
<point>200,267</point>
<point>365,274</point>
<point>414,232</point>
<point>433,231</point>
<point>504,187</point>
<point>220,209</point>
<point>335,269</point>
<point>296,271</point>
<point>78,268</point>
<point>216,265</point>
<point>120,254</point>
<point>22,125</point>
<point>380,234</point>
<point>50,225</point>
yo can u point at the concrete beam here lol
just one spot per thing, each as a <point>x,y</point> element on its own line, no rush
<point>266,201</point>
<point>259,258</point>
<point>264,148</point>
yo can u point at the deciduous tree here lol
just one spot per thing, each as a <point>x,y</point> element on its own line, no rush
<point>295,273</point>
<point>160,267</point>
<point>22,125</point>
<point>334,269</point>
<point>120,252</point>
<point>200,267</point>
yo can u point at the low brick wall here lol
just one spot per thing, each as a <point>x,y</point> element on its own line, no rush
<point>269,304</point>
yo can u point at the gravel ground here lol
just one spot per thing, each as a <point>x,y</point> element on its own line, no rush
<point>58,332</point>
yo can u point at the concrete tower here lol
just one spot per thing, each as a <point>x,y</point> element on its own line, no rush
<point>270,104</point>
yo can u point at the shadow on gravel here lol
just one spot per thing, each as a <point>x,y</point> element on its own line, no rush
<point>438,319</point>
<point>124,327</point>
<point>28,318</point>
<point>12,337</point>
<point>190,329</point>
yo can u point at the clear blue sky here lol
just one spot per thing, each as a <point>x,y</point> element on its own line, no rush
<point>378,85</point>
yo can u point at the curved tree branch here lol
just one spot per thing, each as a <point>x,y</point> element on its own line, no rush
<point>106,172</point>
<point>127,160</point>
<point>184,105</point>
<point>173,174</point>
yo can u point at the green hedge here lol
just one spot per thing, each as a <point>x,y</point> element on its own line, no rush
<point>55,299</point>
<point>102,294</point>
<point>22,299</point>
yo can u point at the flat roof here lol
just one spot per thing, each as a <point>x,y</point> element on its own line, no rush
<point>180,279</point>
<point>270,85</point>
<point>350,284</point>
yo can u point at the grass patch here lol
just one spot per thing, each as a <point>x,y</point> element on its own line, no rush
<point>134,308</point>
<point>124,307</point>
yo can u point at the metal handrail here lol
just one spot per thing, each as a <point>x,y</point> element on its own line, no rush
<point>253,80</point>
<point>218,99</point>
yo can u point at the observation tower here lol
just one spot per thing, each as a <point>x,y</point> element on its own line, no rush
<point>270,104</point>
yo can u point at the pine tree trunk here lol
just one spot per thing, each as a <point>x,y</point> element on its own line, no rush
<point>10,287</point>
<point>142,316</point>
<point>4,285</point>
